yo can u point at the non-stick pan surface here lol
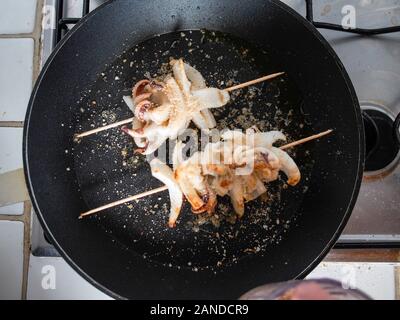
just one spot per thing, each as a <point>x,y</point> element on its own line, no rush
<point>128,251</point>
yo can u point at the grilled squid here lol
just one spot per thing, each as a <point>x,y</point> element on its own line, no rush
<point>238,166</point>
<point>164,173</point>
<point>164,109</point>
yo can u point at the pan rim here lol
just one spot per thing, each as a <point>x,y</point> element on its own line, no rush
<point>295,15</point>
<point>361,135</point>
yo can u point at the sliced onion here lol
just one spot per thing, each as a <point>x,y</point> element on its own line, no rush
<point>129,102</point>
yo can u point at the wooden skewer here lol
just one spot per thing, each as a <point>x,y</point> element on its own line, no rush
<point>251,82</point>
<point>313,137</point>
<point>122,201</point>
<point>126,121</point>
<point>163,188</point>
<point>112,125</point>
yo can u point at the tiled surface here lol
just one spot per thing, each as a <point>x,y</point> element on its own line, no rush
<point>16,65</point>
<point>10,148</point>
<point>14,209</point>
<point>53,278</point>
<point>17,16</point>
<point>16,72</point>
<point>375,279</point>
<point>11,259</point>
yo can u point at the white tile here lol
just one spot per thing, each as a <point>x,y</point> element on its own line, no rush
<point>52,278</point>
<point>11,259</point>
<point>375,279</point>
<point>11,159</point>
<point>17,16</point>
<point>13,209</point>
<point>16,61</point>
<point>10,149</point>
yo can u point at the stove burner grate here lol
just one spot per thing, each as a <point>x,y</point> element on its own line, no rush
<point>382,145</point>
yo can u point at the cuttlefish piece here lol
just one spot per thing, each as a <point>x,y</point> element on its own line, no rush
<point>178,118</point>
<point>267,139</point>
<point>197,95</point>
<point>203,119</point>
<point>205,174</point>
<point>172,104</point>
<point>181,176</point>
<point>288,166</point>
<point>194,184</point>
<point>139,88</point>
<point>237,196</point>
<point>164,173</point>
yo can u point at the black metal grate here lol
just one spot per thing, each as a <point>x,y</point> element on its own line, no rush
<point>62,22</point>
<point>62,28</point>
<point>337,27</point>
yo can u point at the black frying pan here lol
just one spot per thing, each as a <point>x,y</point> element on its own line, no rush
<point>128,251</point>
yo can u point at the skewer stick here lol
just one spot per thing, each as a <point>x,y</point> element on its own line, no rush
<point>112,125</point>
<point>313,137</point>
<point>122,201</point>
<point>163,188</point>
<point>126,121</point>
<point>251,82</point>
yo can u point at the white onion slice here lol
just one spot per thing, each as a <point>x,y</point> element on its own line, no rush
<point>129,102</point>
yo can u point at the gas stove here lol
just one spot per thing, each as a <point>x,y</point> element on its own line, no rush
<point>372,62</point>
